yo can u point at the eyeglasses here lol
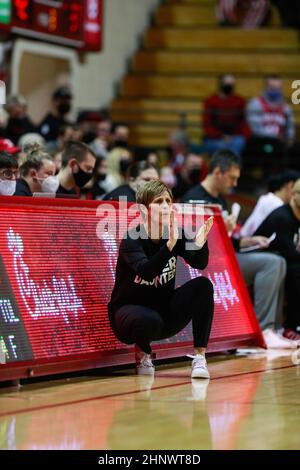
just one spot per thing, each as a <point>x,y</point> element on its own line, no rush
<point>9,174</point>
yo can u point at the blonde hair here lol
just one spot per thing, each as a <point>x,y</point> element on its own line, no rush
<point>113,163</point>
<point>296,186</point>
<point>151,190</point>
<point>34,158</point>
<point>28,140</point>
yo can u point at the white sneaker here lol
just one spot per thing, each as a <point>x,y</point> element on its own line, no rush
<point>275,341</point>
<point>292,336</point>
<point>199,367</point>
<point>143,362</point>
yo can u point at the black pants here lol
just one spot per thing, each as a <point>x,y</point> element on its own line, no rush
<point>192,301</point>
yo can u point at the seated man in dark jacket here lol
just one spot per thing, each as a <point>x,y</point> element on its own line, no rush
<point>265,271</point>
<point>285,222</point>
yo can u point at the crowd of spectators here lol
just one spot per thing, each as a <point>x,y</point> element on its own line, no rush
<point>93,158</point>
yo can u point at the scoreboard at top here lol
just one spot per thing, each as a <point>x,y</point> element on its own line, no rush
<point>74,23</point>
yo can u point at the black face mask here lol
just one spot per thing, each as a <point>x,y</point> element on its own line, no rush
<point>64,108</point>
<point>89,137</point>
<point>121,143</point>
<point>101,176</point>
<point>226,89</point>
<point>194,175</point>
<point>82,178</point>
<point>124,164</point>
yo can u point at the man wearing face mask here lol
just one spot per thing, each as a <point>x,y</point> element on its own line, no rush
<point>138,175</point>
<point>190,174</point>
<point>269,115</point>
<point>19,123</point>
<point>9,172</point>
<point>78,163</point>
<point>37,174</point>
<point>56,119</point>
<point>119,135</point>
<point>272,127</point>
<point>224,122</point>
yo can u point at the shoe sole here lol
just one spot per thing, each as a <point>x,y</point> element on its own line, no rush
<point>287,346</point>
<point>200,375</point>
<point>145,372</point>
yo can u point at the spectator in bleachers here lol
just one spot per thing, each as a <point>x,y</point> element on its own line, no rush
<point>18,122</point>
<point>88,121</point>
<point>153,158</point>
<point>119,159</point>
<point>102,181</point>
<point>177,149</point>
<point>189,175</point>
<point>78,163</point>
<point>96,130</point>
<point>224,121</point>
<point>269,115</point>
<point>272,127</point>
<point>138,174</point>
<point>9,172</point>
<point>266,271</point>
<point>102,141</point>
<point>285,222</point>
<point>56,118</point>
<point>66,133</point>
<point>167,176</point>
<point>7,146</point>
<point>120,135</point>
<point>27,140</point>
<point>247,14</point>
<point>280,192</point>
<point>97,186</point>
<point>36,173</point>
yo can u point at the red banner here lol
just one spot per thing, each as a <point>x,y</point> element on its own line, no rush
<point>57,262</point>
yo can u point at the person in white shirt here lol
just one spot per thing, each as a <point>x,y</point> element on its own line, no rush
<point>280,192</point>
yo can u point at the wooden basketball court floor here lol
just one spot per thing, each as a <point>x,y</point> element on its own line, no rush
<point>251,402</point>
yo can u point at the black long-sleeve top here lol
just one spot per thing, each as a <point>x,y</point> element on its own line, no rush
<point>285,224</point>
<point>145,273</point>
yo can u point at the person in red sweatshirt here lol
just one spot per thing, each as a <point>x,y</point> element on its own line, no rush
<point>224,121</point>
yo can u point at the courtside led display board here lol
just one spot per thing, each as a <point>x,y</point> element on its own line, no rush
<point>57,265</point>
<point>74,23</point>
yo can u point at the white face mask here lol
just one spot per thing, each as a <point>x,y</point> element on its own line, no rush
<point>7,187</point>
<point>169,180</point>
<point>50,184</point>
